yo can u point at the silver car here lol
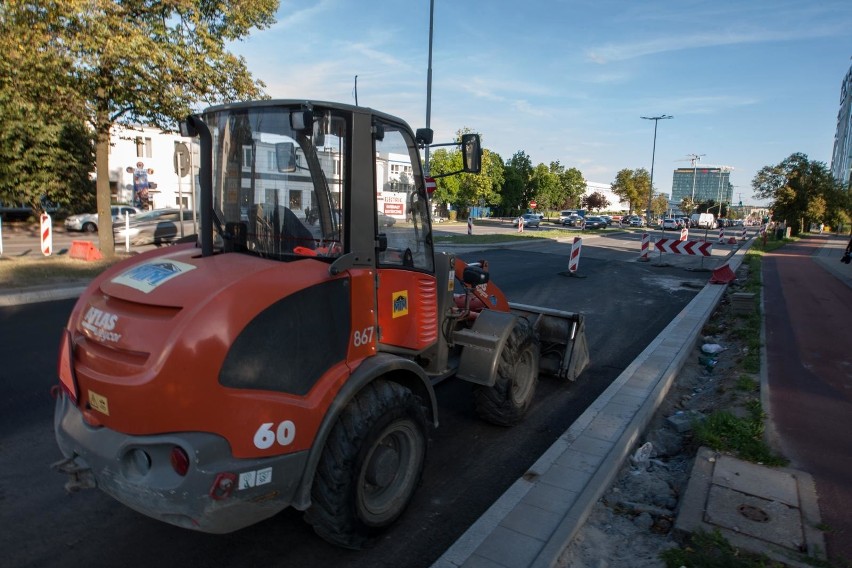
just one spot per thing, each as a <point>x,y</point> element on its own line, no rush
<point>530,220</point>
<point>158,227</point>
<point>88,222</point>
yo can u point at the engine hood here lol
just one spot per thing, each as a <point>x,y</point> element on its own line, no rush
<point>152,304</point>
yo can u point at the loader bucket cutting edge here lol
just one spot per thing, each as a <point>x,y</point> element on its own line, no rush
<point>564,351</point>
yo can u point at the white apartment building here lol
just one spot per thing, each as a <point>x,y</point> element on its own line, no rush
<point>615,202</point>
<point>134,148</point>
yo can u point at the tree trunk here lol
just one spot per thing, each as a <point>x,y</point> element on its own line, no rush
<point>106,239</point>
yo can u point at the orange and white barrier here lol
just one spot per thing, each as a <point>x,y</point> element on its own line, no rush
<point>469,225</point>
<point>684,234</point>
<point>520,224</point>
<point>46,235</point>
<point>574,260</point>
<point>646,246</point>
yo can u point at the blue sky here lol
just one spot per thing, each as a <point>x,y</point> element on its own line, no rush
<point>747,82</point>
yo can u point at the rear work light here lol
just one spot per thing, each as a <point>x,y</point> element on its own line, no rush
<point>65,366</point>
<point>179,461</point>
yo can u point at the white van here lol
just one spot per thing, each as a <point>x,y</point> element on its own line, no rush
<point>704,220</point>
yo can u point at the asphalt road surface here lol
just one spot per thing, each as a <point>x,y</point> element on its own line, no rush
<point>470,463</point>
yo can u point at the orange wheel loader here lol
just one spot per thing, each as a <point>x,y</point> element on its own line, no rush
<point>286,355</point>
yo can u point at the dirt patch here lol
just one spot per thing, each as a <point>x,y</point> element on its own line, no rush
<point>631,525</point>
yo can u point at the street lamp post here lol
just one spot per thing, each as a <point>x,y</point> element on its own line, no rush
<point>429,83</point>
<point>656,120</point>
<point>694,158</point>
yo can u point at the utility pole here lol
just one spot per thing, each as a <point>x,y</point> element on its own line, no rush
<point>721,169</point>
<point>656,120</point>
<point>429,83</point>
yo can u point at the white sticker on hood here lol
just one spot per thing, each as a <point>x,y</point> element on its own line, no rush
<point>148,276</point>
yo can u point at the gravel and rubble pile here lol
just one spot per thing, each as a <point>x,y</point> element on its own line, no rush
<point>631,525</point>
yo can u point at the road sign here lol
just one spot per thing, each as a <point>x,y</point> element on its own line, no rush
<point>181,159</point>
<point>700,248</point>
<point>431,185</point>
<point>533,204</point>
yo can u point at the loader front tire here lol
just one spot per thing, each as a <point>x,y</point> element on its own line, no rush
<point>507,401</point>
<point>371,465</point>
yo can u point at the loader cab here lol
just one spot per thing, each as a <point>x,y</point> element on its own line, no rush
<point>291,179</point>
<point>295,180</point>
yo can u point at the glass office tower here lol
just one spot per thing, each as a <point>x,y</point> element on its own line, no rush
<point>710,183</point>
<point>841,157</point>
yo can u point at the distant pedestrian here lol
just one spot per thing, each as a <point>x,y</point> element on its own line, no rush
<point>821,227</point>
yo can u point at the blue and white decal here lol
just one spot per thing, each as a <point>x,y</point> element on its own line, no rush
<point>149,275</point>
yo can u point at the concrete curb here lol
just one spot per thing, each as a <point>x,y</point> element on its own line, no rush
<point>541,513</point>
<point>41,295</point>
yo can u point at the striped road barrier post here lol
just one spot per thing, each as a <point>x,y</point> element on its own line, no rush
<point>646,245</point>
<point>46,235</point>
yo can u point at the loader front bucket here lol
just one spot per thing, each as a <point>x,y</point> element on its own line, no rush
<point>562,335</point>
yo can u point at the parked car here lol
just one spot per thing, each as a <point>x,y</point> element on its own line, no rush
<point>594,223</point>
<point>530,219</point>
<point>670,223</point>
<point>386,220</point>
<point>607,219</point>
<point>636,221</point>
<point>572,221</point>
<point>158,227</point>
<point>567,214</point>
<point>22,212</point>
<point>88,222</point>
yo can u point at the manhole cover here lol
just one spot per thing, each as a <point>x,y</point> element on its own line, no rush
<point>753,513</point>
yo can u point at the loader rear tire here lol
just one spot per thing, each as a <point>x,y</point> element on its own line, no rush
<point>507,401</point>
<point>371,465</point>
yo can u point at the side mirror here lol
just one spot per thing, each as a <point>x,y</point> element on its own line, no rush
<point>285,156</point>
<point>424,136</point>
<point>301,120</point>
<point>378,132</point>
<point>471,153</point>
<point>187,127</point>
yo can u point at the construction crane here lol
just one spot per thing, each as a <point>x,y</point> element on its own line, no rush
<point>693,158</point>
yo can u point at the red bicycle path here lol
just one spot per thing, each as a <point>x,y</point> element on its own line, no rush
<point>808,318</point>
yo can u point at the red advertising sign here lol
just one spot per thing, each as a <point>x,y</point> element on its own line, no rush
<point>393,209</point>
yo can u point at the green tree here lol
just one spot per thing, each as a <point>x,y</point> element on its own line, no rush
<point>483,188</point>
<point>464,190</point>
<point>46,152</point>
<point>659,206</point>
<point>447,189</point>
<point>573,186</point>
<point>687,205</point>
<point>838,205</point>
<point>632,186</point>
<point>147,62</point>
<point>544,186</point>
<point>516,192</point>
<point>800,191</point>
